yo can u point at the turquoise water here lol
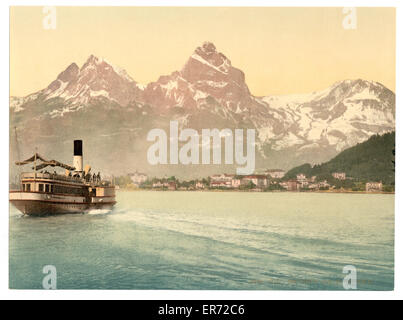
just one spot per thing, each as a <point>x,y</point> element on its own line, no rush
<point>211,240</point>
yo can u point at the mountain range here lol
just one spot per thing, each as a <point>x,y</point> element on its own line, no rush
<point>101,104</point>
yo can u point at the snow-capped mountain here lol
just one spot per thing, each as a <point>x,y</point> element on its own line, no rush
<point>208,76</point>
<point>77,87</point>
<point>341,116</point>
<point>103,101</point>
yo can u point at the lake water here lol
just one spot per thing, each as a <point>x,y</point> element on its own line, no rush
<point>211,240</point>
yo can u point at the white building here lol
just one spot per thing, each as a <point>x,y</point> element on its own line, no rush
<point>221,180</point>
<point>339,175</point>
<point>260,181</point>
<point>236,183</point>
<point>302,181</point>
<point>200,185</point>
<point>324,184</point>
<point>138,178</point>
<point>301,177</point>
<point>275,173</point>
<point>158,184</point>
<point>374,186</point>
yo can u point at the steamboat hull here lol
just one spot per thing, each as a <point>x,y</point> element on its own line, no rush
<point>44,208</point>
<point>42,204</point>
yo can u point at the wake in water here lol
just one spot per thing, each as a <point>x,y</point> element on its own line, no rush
<point>212,241</point>
<point>96,212</point>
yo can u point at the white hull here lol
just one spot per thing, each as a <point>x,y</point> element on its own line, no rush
<point>39,204</point>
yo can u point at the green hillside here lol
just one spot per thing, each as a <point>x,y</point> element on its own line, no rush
<point>372,160</point>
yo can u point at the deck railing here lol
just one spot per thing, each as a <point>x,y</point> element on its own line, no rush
<point>56,176</point>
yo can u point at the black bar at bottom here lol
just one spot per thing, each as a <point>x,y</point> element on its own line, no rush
<point>202,309</point>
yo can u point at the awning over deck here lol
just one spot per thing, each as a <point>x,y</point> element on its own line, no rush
<point>32,159</point>
<point>45,163</point>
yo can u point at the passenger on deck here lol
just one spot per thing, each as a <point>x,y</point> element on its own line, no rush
<point>87,177</point>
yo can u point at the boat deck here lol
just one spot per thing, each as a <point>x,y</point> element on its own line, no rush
<point>59,177</point>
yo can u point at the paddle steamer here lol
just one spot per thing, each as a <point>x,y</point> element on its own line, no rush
<point>76,191</point>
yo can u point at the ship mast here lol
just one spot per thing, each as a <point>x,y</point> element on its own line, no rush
<point>36,151</point>
<point>16,144</point>
<point>18,154</point>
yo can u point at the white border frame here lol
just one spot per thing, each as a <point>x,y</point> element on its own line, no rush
<point>5,293</point>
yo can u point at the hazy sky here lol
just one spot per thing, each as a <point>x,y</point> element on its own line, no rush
<point>281,50</point>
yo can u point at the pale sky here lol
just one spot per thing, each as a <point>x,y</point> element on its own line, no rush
<point>281,50</point>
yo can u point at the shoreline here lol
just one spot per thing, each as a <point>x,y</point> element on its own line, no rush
<point>252,191</point>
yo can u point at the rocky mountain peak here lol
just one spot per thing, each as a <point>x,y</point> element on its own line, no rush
<point>96,79</point>
<point>70,73</point>
<point>207,76</point>
<point>206,61</point>
<point>208,47</point>
<point>94,61</point>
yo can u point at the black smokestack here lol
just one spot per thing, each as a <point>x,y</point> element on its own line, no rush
<point>78,147</point>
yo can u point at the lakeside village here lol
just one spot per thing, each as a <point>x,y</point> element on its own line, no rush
<point>268,181</point>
